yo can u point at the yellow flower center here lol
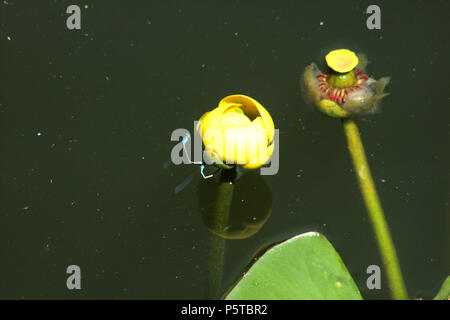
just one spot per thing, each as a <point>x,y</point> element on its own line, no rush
<point>342,60</point>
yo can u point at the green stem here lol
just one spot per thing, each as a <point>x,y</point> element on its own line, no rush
<point>376,215</point>
<point>217,244</point>
<point>215,266</point>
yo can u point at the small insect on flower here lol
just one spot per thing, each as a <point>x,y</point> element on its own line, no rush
<point>345,89</point>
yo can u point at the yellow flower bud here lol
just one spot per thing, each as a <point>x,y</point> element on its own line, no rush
<point>239,131</point>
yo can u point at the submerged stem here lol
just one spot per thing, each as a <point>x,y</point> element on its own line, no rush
<point>375,211</point>
<point>217,245</point>
<point>216,257</point>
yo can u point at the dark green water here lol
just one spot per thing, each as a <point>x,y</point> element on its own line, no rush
<point>86,118</point>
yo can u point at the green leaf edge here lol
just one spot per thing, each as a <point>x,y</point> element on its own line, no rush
<point>294,238</point>
<point>444,292</point>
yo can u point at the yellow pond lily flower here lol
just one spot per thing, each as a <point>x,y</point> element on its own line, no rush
<point>239,131</point>
<point>345,89</point>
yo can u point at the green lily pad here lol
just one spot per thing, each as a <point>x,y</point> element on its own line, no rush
<point>444,293</point>
<point>305,267</point>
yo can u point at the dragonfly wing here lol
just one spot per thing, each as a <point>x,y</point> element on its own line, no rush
<point>185,183</point>
<point>167,164</point>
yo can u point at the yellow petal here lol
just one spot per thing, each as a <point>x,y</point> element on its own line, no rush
<point>199,124</point>
<point>234,145</point>
<point>262,159</point>
<point>309,83</point>
<point>236,109</point>
<point>234,130</point>
<point>256,140</point>
<point>252,109</point>
<point>235,120</point>
<point>211,123</point>
<point>342,60</point>
<point>213,158</point>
